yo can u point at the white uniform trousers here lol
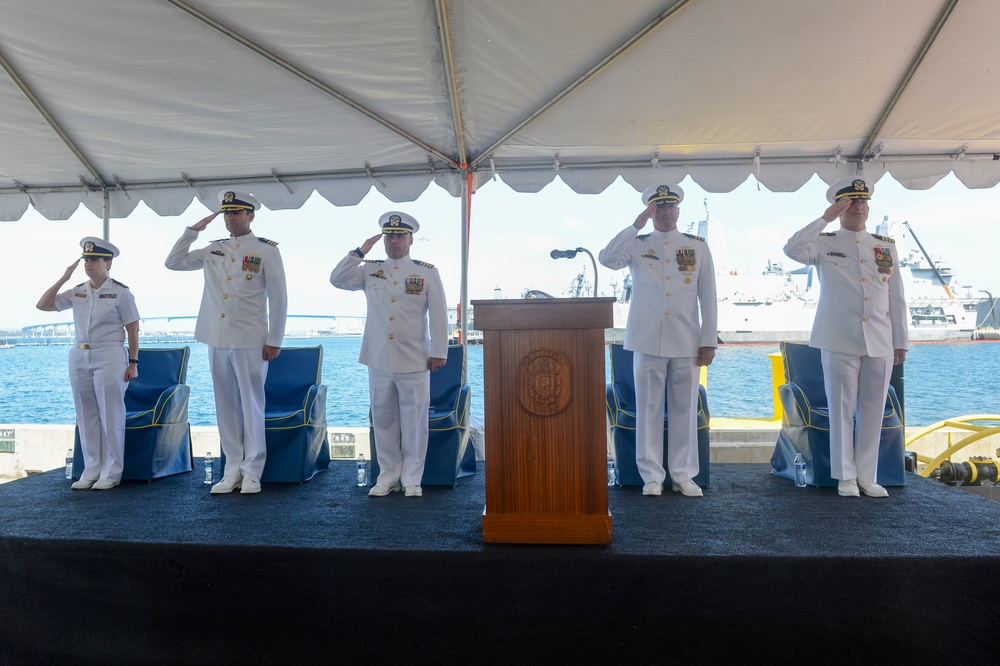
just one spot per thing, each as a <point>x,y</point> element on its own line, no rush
<point>652,374</point>
<point>97,377</point>
<point>855,386</point>
<point>238,377</point>
<point>400,404</point>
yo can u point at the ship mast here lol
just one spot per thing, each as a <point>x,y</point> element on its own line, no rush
<point>934,267</point>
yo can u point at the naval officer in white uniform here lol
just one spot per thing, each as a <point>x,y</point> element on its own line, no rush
<point>672,329</point>
<point>242,320</point>
<point>860,328</point>
<point>99,367</point>
<point>406,338</point>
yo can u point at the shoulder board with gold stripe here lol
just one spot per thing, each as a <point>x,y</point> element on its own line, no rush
<point>692,236</point>
<point>123,286</point>
<point>643,236</point>
<point>264,240</point>
<point>220,240</point>
<point>828,233</point>
<point>423,263</point>
<point>884,238</point>
<point>373,261</point>
<point>80,285</point>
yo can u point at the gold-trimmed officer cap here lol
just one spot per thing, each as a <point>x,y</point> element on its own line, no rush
<point>98,247</point>
<point>236,200</point>
<point>855,187</point>
<point>395,222</point>
<point>663,194</point>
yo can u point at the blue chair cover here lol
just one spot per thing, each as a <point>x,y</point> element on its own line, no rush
<point>450,455</point>
<point>622,418</point>
<point>805,425</point>
<point>157,433</point>
<point>295,425</point>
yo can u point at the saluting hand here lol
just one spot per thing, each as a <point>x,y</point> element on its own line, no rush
<point>367,246</point>
<point>204,222</point>
<point>836,209</point>
<point>645,216</point>
<point>69,269</point>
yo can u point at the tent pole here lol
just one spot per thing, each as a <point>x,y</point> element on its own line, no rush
<point>107,214</point>
<point>463,302</point>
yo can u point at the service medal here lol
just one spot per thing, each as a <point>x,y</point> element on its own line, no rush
<point>883,257</point>
<point>685,259</point>
<point>415,285</point>
<point>251,262</point>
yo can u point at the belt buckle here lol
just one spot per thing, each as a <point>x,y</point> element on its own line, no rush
<point>84,345</point>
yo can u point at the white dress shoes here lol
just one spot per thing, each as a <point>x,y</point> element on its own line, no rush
<point>413,491</point>
<point>227,485</point>
<point>687,488</point>
<point>250,485</point>
<point>378,490</point>
<point>83,484</point>
<point>652,488</point>
<point>872,489</point>
<point>848,488</point>
<point>104,484</point>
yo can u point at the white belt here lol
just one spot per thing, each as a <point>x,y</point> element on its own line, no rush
<point>100,345</point>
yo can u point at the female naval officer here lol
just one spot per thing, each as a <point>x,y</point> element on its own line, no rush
<point>99,366</point>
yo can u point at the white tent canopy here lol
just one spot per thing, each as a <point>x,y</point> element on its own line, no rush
<point>109,103</point>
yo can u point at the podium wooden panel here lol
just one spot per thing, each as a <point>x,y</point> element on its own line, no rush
<point>546,446</point>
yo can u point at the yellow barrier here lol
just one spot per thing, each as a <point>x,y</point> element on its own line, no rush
<point>967,423</point>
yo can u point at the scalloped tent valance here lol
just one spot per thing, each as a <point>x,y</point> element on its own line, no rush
<point>109,104</point>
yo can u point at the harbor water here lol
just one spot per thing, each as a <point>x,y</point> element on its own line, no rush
<point>941,381</point>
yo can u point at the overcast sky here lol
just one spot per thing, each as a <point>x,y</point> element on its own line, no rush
<point>512,235</point>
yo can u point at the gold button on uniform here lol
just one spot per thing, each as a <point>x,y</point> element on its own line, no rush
<point>392,337</point>
<point>226,297</point>
<point>228,278</point>
<point>668,293</point>
<point>394,319</point>
<point>394,283</point>
<point>223,315</point>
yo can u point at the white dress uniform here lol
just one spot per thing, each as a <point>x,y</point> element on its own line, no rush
<point>861,318</point>
<point>97,365</point>
<point>406,325</point>
<point>674,312</point>
<point>243,308</point>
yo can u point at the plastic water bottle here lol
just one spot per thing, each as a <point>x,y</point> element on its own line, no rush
<point>208,468</point>
<point>69,464</point>
<point>800,470</point>
<point>611,471</point>
<point>362,471</point>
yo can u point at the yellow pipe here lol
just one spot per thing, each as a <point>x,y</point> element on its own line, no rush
<point>931,466</point>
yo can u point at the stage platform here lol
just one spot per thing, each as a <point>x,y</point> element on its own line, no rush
<point>757,569</point>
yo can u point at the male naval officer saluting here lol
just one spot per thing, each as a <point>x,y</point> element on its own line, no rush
<point>860,328</point>
<point>99,366</point>
<point>406,335</point>
<point>242,320</point>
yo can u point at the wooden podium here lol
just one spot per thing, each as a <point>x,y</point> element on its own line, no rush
<point>546,434</point>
